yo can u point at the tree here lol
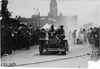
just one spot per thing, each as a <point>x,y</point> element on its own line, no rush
<point>4,11</point>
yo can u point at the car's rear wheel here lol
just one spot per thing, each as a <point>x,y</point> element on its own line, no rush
<point>65,48</point>
<point>41,49</point>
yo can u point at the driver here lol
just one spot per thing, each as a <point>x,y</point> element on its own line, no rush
<point>42,33</point>
<point>61,33</point>
<point>51,31</point>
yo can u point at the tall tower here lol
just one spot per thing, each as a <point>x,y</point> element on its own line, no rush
<point>53,13</point>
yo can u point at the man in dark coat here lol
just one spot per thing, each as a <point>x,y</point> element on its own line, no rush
<point>51,31</point>
<point>42,33</point>
<point>60,33</point>
<point>8,40</point>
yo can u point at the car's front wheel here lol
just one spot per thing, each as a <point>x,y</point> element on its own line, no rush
<point>41,49</point>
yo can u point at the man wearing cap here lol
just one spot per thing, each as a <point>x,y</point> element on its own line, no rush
<point>61,33</point>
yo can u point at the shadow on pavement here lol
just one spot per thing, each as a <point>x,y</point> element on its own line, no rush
<point>49,53</point>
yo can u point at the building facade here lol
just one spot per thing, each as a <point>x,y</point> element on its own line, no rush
<point>52,18</point>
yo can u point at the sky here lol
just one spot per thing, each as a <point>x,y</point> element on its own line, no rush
<point>86,10</point>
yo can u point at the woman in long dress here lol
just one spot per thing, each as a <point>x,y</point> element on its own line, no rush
<point>81,36</point>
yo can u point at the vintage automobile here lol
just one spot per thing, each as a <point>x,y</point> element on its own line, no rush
<point>53,43</point>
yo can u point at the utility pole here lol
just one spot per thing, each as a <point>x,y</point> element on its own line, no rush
<point>39,19</point>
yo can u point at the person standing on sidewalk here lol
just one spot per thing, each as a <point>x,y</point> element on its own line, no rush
<point>74,36</point>
<point>84,33</point>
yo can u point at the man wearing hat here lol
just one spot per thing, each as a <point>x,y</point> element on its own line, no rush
<point>51,31</point>
<point>61,33</point>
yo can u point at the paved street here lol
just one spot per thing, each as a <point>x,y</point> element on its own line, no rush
<point>77,56</point>
<point>53,23</point>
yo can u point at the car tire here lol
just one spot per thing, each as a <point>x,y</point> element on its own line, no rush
<point>41,49</point>
<point>65,48</point>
